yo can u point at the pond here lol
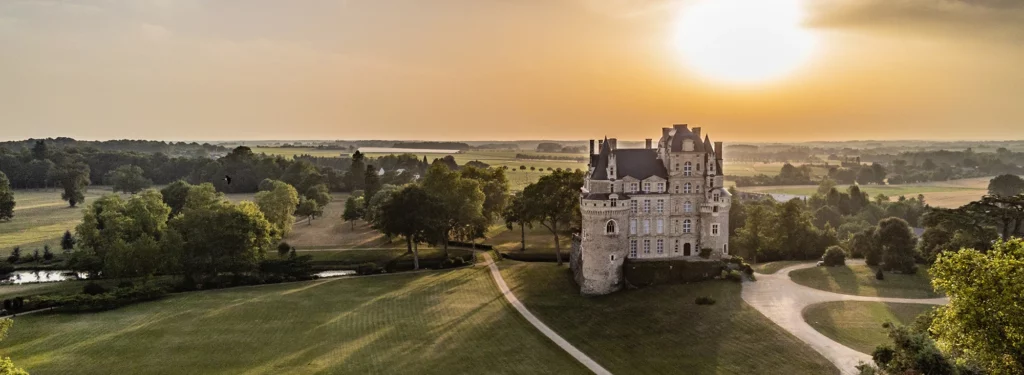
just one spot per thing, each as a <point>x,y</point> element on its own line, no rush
<point>42,276</point>
<point>334,273</point>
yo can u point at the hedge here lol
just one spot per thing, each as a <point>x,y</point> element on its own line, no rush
<point>644,273</point>
<point>470,245</point>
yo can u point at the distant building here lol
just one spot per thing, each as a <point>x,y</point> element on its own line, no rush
<point>649,204</point>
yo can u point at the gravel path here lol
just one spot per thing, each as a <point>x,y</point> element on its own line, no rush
<point>543,328</point>
<point>783,301</point>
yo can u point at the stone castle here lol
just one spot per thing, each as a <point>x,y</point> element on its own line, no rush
<point>650,204</point>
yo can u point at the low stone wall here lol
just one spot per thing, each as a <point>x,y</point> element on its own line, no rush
<point>640,273</point>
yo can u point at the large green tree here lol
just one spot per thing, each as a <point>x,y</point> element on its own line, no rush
<point>278,206</point>
<point>308,208</point>
<point>757,236</point>
<point>461,203</point>
<point>175,195</point>
<point>413,214</point>
<point>1006,185</point>
<point>129,179</point>
<point>237,244</point>
<point>515,214</point>
<point>73,178</point>
<point>121,236</point>
<point>553,202</point>
<point>6,198</point>
<point>984,320</point>
<point>373,209</point>
<point>354,208</point>
<point>896,240</point>
<point>495,187</point>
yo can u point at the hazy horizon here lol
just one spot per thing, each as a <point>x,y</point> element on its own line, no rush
<point>475,70</point>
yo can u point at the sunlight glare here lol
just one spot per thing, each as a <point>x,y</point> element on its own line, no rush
<point>744,41</point>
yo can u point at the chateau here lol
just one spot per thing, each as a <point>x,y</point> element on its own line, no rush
<point>650,204</point>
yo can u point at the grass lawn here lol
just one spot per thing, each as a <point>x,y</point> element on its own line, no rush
<point>858,325</point>
<point>538,239</point>
<point>951,194</point>
<point>40,218</point>
<point>429,323</point>
<point>860,280</point>
<point>773,267</point>
<point>659,330</point>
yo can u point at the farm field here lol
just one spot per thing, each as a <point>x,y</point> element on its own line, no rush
<point>660,330</point>
<point>746,169</point>
<point>858,325</point>
<point>427,323</point>
<point>950,194</point>
<point>41,217</point>
<point>859,279</point>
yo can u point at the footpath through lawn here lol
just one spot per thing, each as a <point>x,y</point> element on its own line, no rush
<point>660,330</point>
<point>445,322</point>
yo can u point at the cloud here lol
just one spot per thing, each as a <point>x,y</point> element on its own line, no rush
<point>977,19</point>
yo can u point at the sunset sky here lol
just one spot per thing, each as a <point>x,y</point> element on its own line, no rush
<point>511,69</point>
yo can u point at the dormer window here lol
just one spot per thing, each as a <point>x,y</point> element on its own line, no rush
<point>660,187</point>
<point>647,187</point>
<point>615,202</point>
<point>715,197</point>
<point>633,187</point>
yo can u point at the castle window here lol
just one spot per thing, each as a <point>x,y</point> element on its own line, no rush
<point>647,205</point>
<point>632,248</point>
<point>647,227</point>
<point>687,188</point>
<point>660,187</point>
<point>688,169</point>
<point>647,187</point>
<point>661,226</point>
<point>660,206</point>
<point>632,206</point>
<point>613,187</point>
<point>715,196</point>
<point>661,246</point>
<point>687,226</point>
<point>686,249</point>
<point>714,209</point>
<point>632,226</point>
<point>677,246</point>
<point>615,202</point>
<point>698,166</point>
<point>633,187</point>
<point>613,257</point>
<point>714,229</point>
<point>677,189</point>
<point>687,206</point>
<point>647,246</point>
<point>610,227</point>
<point>725,249</point>
<point>677,166</point>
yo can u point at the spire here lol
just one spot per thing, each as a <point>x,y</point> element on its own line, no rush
<point>707,145</point>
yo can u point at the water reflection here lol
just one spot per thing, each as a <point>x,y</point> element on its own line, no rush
<point>42,276</point>
<point>334,273</point>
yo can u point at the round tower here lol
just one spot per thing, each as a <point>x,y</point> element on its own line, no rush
<point>604,244</point>
<point>716,220</point>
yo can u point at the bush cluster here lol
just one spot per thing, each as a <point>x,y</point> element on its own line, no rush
<point>103,301</point>
<point>834,256</point>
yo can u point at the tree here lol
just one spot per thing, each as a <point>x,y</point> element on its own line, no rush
<point>121,236</point>
<point>1006,185</point>
<point>283,248</point>
<point>353,210</point>
<point>515,214</point>
<point>355,179</point>
<point>756,235</point>
<point>129,179</point>
<point>236,245</point>
<point>411,213</point>
<point>371,181</point>
<point>320,194</point>
<point>834,256</point>
<point>984,320</point>
<point>897,243</point>
<point>67,242</point>
<point>553,201</point>
<point>278,205</point>
<point>202,196</point>
<point>175,195</point>
<point>6,366</point>
<point>6,198</point>
<point>73,178</point>
<point>912,352</point>
<point>40,151</point>
<point>494,185</point>
<point>827,215</point>
<point>863,244</point>
<point>460,201</point>
<point>309,208</point>
<point>373,209</point>
<point>826,185</point>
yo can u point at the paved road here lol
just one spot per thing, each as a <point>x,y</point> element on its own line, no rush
<point>783,301</point>
<point>543,328</point>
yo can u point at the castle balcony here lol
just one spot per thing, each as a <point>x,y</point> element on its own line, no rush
<point>706,208</point>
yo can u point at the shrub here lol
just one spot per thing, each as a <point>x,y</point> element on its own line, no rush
<point>732,275</point>
<point>368,268</point>
<point>283,248</point>
<point>47,254</point>
<point>834,256</point>
<point>15,255</point>
<point>8,304</point>
<point>92,289</point>
<point>104,301</point>
<point>6,268</point>
<point>703,300</point>
<point>879,275</point>
<point>747,269</point>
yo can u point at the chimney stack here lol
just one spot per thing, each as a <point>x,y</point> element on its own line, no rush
<point>613,144</point>
<point>665,131</point>
<point>718,151</point>
<point>600,145</point>
<point>696,131</point>
<point>648,143</point>
<point>680,127</point>
<point>591,146</point>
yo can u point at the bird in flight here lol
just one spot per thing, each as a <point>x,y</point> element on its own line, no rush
<point>228,179</point>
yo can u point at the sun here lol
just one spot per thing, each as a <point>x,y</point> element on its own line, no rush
<point>744,41</point>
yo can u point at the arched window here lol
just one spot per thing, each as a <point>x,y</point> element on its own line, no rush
<point>610,227</point>
<point>687,206</point>
<point>687,226</point>
<point>687,169</point>
<point>687,188</point>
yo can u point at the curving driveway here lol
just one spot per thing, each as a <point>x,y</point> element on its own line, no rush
<point>783,301</point>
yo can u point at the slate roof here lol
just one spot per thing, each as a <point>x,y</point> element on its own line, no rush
<point>601,168</point>
<point>683,132</point>
<point>603,196</point>
<point>639,163</point>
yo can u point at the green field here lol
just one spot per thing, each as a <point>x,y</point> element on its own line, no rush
<point>858,325</point>
<point>747,169</point>
<point>773,267</point>
<point>41,217</point>
<point>659,330</point>
<point>444,322</point>
<point>953,193</point>
<point>860,280</point>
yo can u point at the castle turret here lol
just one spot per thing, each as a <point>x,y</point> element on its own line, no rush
<point>603,245</point>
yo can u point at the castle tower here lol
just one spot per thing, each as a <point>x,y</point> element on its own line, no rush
<point>603,243</point>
